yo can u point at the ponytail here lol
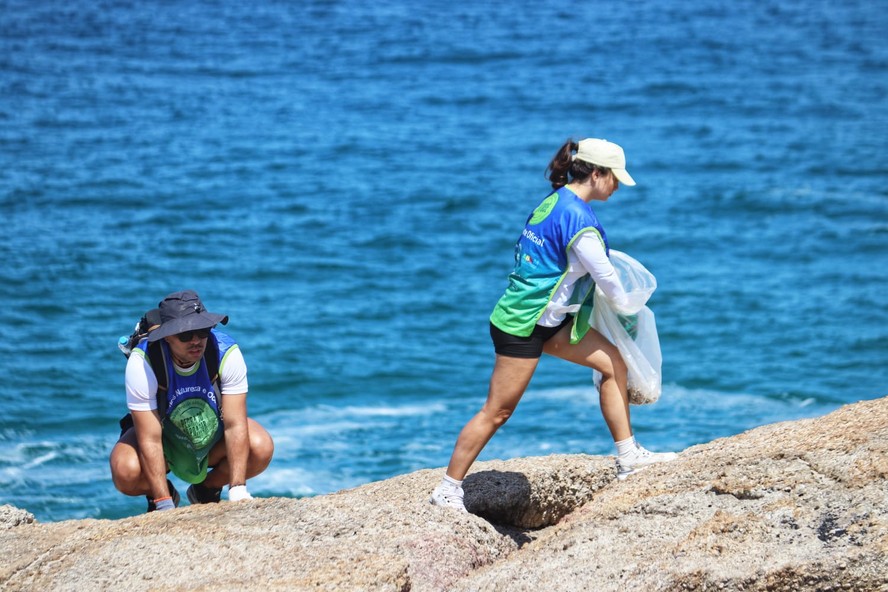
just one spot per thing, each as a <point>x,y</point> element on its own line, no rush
<point>565,169</point>
<point>558,169</point>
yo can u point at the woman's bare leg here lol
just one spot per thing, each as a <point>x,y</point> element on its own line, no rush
<point>507,384</point>
<point>596,352</point>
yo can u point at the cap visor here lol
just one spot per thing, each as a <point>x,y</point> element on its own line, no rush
<point>624,177</point>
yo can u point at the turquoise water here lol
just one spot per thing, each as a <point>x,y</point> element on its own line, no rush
<point>346,180</point>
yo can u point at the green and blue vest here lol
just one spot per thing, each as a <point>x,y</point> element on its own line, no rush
<point>541,264</point>
<point>192,423</point>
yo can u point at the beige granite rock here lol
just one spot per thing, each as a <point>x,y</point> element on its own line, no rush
<point>792,506</point>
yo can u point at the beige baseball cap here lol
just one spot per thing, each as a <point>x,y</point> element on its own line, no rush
<point>606,154</point>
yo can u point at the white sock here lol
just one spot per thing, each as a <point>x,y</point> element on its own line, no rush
<point>450,483</point>
<point>626,447</point>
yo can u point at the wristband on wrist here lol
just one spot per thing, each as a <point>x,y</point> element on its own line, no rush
<point>160,499</point>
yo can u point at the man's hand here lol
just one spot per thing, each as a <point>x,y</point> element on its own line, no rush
<point>238,493</point>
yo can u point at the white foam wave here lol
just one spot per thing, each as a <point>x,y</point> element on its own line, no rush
<point>402,411</point>
<point>42,459</point>
<point>346,412</point>
<point>296,482</point>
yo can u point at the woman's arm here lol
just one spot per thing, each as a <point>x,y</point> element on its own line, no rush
<point>590,252</point>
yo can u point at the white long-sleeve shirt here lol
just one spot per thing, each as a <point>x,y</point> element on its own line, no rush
<point>586,256</point>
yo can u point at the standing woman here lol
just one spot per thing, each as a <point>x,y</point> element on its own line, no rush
<point>561,255</point>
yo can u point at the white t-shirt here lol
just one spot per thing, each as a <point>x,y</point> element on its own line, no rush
<point>141,384</point>
<point>586,256</point>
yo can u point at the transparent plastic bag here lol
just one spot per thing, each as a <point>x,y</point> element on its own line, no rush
<point>637,281</point>
<point>633,329</point>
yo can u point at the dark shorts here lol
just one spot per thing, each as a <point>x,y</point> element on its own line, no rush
<point>513,346</point>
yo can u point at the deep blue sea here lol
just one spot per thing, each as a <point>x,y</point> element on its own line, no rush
<point>347,179</point>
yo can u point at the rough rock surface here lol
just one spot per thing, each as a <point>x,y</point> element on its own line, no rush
<point>791,506</point>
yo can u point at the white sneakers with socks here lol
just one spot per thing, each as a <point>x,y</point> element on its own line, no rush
<point>638,459</point>
<point>448,494</point>
<point>632,458</point>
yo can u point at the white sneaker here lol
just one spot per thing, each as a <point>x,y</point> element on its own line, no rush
<point>448,498</point>
<point>640,459</point>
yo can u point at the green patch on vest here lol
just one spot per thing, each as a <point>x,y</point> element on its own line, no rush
<point>544,209</point>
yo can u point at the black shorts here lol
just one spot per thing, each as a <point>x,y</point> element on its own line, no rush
<point>513,346</point>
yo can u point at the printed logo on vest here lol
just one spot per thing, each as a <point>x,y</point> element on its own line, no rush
<point>196,419</point>
<point>544,209</point>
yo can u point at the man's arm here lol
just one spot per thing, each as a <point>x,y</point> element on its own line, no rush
<point>237,437</point>
<point>148,435</point>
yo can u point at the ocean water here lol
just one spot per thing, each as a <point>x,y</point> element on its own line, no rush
<point>346,180</point>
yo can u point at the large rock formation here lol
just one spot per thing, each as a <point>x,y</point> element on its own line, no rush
<point>792,506</point>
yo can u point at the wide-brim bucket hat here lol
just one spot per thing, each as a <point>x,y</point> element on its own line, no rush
<point>183,311</point>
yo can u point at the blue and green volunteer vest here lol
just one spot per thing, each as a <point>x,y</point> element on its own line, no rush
<point>193,421</point>
<point>541,256</point>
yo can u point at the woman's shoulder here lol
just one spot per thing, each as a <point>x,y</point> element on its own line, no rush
<point>576,208</point>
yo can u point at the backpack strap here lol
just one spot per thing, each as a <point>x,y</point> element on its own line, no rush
<point>159,366</point>
<point>211,357</point>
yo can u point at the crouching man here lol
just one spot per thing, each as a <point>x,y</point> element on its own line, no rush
<point>186,389</point>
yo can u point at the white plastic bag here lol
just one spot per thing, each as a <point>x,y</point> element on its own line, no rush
<point>637,281</point>
<point>640,351</point>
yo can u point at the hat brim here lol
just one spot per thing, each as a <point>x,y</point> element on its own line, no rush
<point>192,322</point>
<point>623,177</point>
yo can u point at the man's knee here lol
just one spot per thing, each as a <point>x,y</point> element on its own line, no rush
<point>126,472</point>
<point>261,447</point>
